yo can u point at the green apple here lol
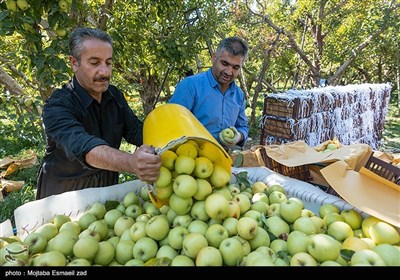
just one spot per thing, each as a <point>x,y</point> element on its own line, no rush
<point>79,262</point>
<point>183,220</point>
<point>193,243</point>
<point>11,5</point>
<point>302,259</point>
<point>255,215</point>
<point>98,210</point>
<point>86,219</point>
<point>71,226</point>
<point>52,258</point>
<point>228,133</point>
<point>304,224</point>
<point>260,239</point>
<point>60,219</point>
<point>184,186</point>
<point>340,230</point>
<point>332,217</point>
<point>231,251</point>
<point>247,227</point>
<point>330,263</point>
<point>63,242</point>
<point>15,253</point>
<point>243,201</point>
<point>216,206</point>
<point>224,191</point>
<point>198,226</point>
<point>145,249</point>
<point>122,223</point>
<point>277,197</point>
<point>209,256</point>
<point>352,217</point>
<point>157,227</point>
<point>105,254</point>
<point>233,189</point>
<point>166,251</point>
<point>219,177</point>
<point>126,235</point>
<point>187,149</point>
<point>307,213</point>
<point>164,193</point>
<point>133,211</point>
<point>258,187</point>
<point>124,251</point>
<point>89,232</point>
<point>176,236</point>
<point>22,4</point>
<point>278,245</point>
<point>100,227</point>
<point>274,210</point>
<point>389,253</point>
<point>251,258</point>
<point>198,211</point>
<point>144,194</point>
<point>165,178</point>
<point>151,209</point>
<point>36,242</point>
<point>48,230</point>
<point>267,252</point>
<point>215,234</point>
<point>290,210</point>
<point>233,209</point>
<point>121,207</point>
<point>260,207</point>
<point>354,243</point>
<point>86,247</point>
<point>367,223</point>
<point>366,257</point>
<point>319,223</point>
<point>327,208</point>
<point>168,159</point>
<point>297,242</point>
<point>230,224</point>
<point>137,230</point>
<point>260,196</point>
<point>184,164</point>
<point>63,5</point>
<point>180,205</point>
<point>131,198</point>
<point>245,245</point>
<point>204,188</point>
<point>275,187</point>
<point>112,216</point>
<point>382,232</point>
<point>277,226</point>
<point>114,240</point>
<point>182,260</point>
<point>203,168</point>
<point>323,247</point>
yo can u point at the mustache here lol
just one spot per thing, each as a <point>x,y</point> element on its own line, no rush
<point>102,79</point>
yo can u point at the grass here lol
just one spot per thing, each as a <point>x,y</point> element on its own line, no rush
<point>14,145</point>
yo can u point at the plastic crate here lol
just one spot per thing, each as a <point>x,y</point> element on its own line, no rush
<point>301,172</point>
<point>383,169</point>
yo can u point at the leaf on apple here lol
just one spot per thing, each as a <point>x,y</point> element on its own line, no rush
<point>111,204</point>
<point>238,160</point>
<point>346,254</point>
<point>164,261</point>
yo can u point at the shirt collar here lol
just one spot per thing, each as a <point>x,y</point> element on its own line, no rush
<point>214,83</point>
<point>85,96</point>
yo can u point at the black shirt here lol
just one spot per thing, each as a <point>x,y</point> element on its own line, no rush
<point>75,123</point>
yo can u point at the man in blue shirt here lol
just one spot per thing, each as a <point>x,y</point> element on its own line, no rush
<point>214,98</point>
<point>85,122</point>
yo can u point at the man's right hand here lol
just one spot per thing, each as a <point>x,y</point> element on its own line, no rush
<point>147,163</point>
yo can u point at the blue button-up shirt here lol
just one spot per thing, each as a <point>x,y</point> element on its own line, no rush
<point>201,94</point>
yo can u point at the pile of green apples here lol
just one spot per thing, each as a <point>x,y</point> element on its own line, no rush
<point>206,221</point>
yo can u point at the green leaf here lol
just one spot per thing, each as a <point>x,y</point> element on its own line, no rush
<point>346,254</point>
<point>111,204</point>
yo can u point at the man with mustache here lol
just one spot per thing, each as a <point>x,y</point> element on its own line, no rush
<point>85,122</point>
<point>214,98</point>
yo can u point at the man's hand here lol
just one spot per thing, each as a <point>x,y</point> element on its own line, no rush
<point>229,137</point>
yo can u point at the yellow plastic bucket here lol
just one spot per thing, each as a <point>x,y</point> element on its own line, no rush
<point>171,124</point>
